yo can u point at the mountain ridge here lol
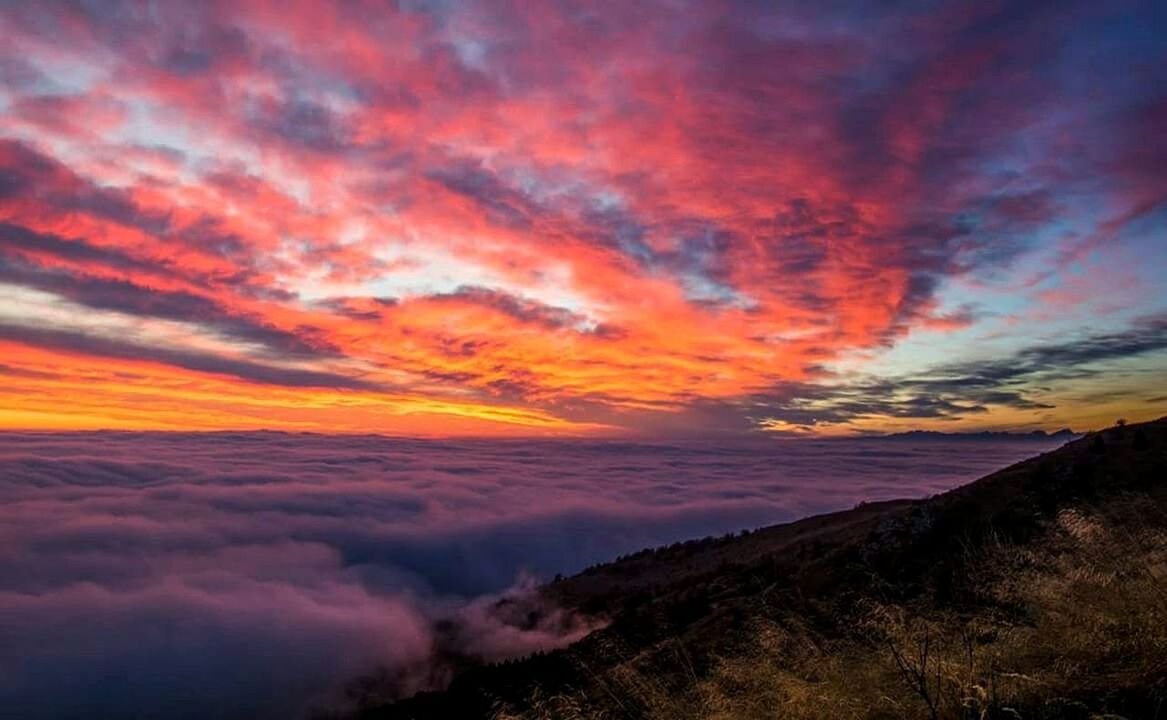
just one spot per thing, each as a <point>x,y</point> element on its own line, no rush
<point>1063,434</point>
<point>832,608</point>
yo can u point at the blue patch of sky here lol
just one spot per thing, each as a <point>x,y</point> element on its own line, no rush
<point>699,288</point>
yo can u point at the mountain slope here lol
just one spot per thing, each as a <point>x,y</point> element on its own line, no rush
<point>1038,591</point>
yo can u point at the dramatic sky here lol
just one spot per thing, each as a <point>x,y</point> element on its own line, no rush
<point>484,218</point>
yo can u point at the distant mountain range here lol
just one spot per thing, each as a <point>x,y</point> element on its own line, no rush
<point>1036,592</point>
<point>1063,434</point>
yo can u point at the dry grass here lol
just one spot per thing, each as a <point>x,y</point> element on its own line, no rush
<point>1086,616</point>
<point>1039,592</point>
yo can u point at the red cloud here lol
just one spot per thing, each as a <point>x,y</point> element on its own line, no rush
<point>653,209</point>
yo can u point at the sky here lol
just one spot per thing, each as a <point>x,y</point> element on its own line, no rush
<point>673,218</point>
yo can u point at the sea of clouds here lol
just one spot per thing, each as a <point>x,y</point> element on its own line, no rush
<point>248,575</point>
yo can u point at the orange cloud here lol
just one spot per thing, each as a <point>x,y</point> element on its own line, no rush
<point>513,218</point>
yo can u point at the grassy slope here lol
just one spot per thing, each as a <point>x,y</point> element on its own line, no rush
<point>1038,591</point>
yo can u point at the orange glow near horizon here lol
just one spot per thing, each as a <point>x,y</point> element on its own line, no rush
<point>412,221</point>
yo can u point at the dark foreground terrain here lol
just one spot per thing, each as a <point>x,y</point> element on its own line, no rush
<point>1037,592</point>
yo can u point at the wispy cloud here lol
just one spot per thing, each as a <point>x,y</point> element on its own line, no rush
<point>681,210</point>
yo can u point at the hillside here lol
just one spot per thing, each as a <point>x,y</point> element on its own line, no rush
<point>1039,591</point>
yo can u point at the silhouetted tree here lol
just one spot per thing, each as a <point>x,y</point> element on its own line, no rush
<point>1098,445</point>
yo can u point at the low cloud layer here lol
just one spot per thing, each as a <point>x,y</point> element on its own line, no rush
<point>248,575</point>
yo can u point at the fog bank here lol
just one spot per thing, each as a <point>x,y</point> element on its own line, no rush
<point>248,574</point>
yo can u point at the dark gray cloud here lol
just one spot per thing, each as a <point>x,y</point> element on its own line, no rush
<point>505,205</point>
<point>134,299</point>
<point>523,310</point>
<point>103,346</point>
<point>1146,335</point>
<point>303,124</point>
<point>27,173</point>
<point>955,389</point>
<point>15,239</point>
